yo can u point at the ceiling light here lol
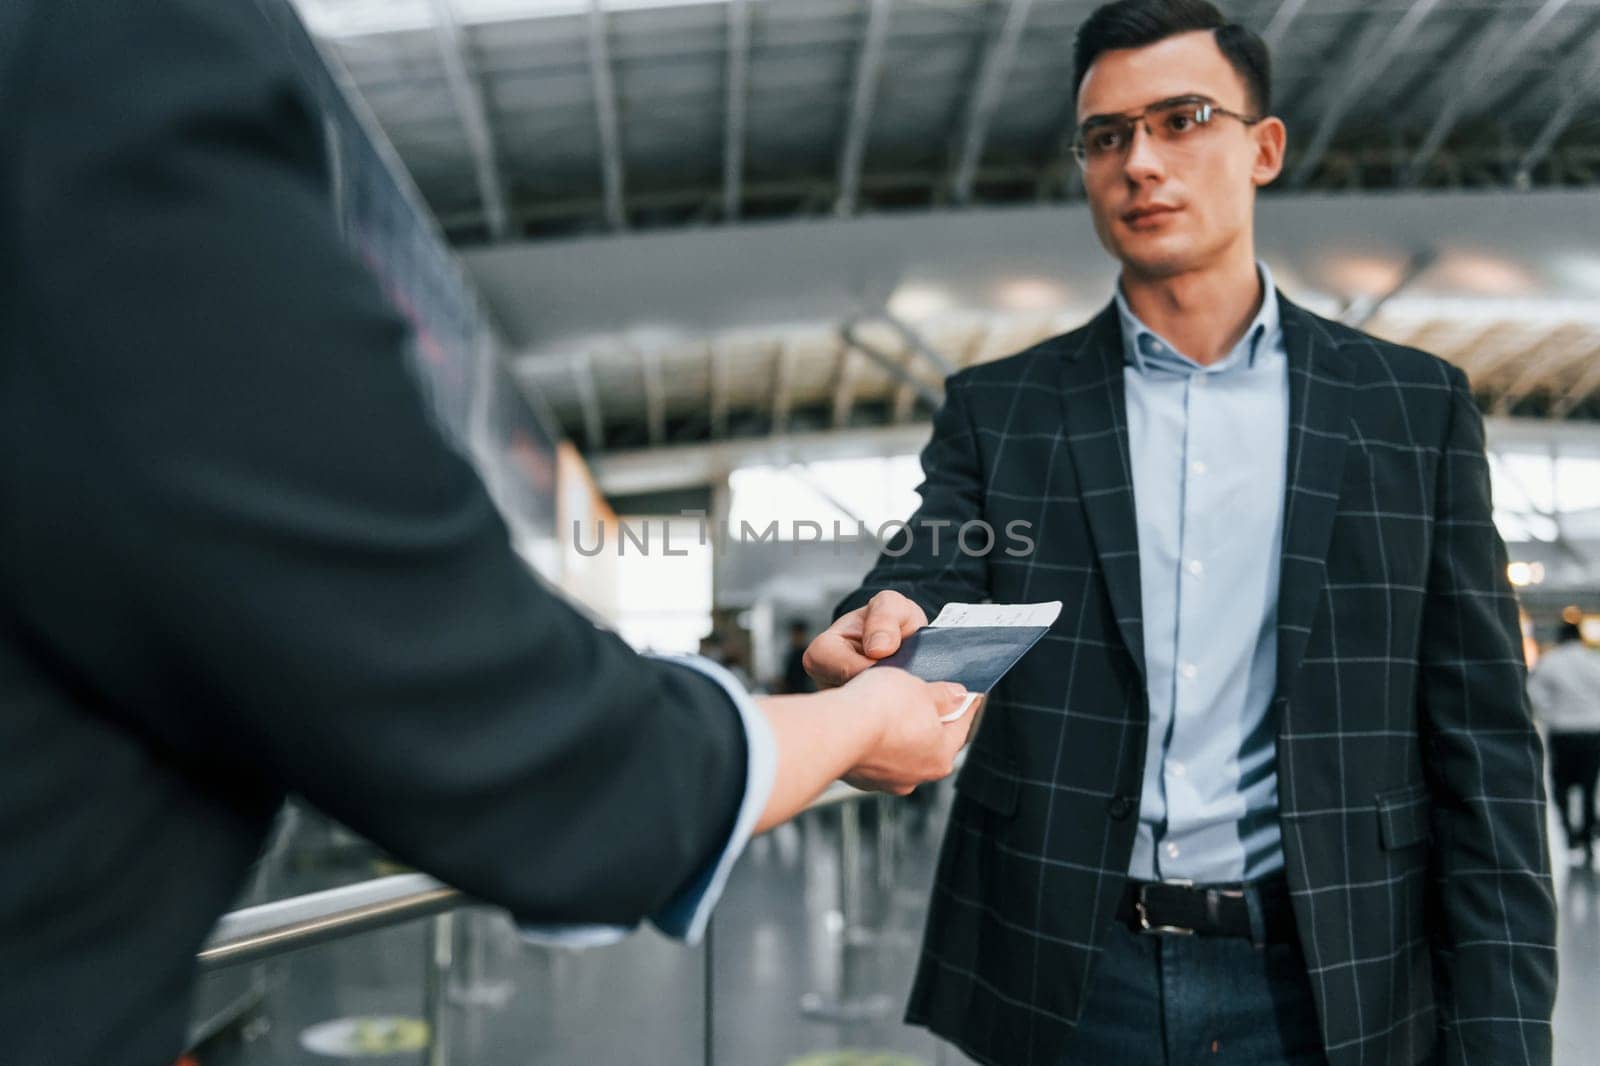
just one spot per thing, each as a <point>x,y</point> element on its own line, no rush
<point>1482,275</point>
<point>1032,294</point>
<point>915,301</point>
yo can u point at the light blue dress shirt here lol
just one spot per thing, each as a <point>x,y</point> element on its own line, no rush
<point>687,916</point>
<point>1209,446</point>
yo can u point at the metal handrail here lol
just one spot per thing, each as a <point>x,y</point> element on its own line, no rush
<point>254,933</point>
<point>268,929</point>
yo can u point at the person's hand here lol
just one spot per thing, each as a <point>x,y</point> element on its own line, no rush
<point>912,744</point>
<point>861,638</point>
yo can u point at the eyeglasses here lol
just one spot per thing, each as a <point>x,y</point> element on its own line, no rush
<point>1181,122</point>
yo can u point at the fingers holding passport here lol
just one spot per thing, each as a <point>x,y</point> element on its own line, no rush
<point>862,637</point>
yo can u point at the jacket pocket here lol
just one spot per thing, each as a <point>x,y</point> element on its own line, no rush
<point>988,784</point>
<point>1403,816</point>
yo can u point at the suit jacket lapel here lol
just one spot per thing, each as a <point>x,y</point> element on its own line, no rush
<point>1319,404</point>
<point>1095,417</point>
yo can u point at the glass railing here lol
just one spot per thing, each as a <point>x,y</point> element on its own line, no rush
<point>809,960</point>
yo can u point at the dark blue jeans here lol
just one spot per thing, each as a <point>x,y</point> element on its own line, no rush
<point>1175,1000</point>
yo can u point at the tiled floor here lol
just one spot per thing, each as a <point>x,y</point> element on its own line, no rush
<point>793,980</point>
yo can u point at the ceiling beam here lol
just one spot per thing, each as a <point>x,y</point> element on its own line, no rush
<point>718,400</point>
<point>474,115</point>
<point>973,347</point>
<point>921,346</point>
<point>733,132</point>
<point>655,394</point>
<point>844,386</point>
<point>905,397</point>
<point>783,387</point>
<point>852,338</point>
<point>1557,350</point>
<point>998,56</point>
<point>1363,309</point>
<point>1580,158</point>
<point>605,109</point>
<point>1576,79</point>
<point>1495,348</point>
<point>1282,19</point>
<point>589,400</point>
<point>1587,384</point>
<point>1379,45</point>
<point>869,71</point>
<point>1493,53</point>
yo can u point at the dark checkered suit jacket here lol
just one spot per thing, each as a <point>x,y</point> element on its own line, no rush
<point>1410,777</point>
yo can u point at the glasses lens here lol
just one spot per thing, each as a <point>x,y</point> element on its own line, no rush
<point>1102,139</point>
<point>1178,120</point>
<point>1175,120</point>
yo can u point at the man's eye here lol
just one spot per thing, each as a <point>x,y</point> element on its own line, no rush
<point>1181,122</point>
<point>1105,140</point>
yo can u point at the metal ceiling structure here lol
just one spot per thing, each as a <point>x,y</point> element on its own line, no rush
<point>697,336</point>
<point>723,232</point>
<point>566,124</point>
<point>808,380</point>
<point>534,118</point>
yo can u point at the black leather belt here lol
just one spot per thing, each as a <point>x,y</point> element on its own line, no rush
<point>1207,910</point>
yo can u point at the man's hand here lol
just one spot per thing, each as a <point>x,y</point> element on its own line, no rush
<point>862,637</point>
<point>882,732</point>
<point>912,745</point>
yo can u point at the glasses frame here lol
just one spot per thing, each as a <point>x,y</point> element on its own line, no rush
<point>1206,110</point>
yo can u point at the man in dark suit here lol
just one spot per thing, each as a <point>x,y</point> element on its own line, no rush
<point>1268,792</point>
<point>238,561</point>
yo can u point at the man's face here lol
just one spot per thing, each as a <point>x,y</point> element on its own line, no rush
<point>1166,207</point>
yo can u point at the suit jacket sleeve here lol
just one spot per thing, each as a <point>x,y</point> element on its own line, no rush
<point>237,534</point>
<point>1494,933</point>
<point>925,561</point>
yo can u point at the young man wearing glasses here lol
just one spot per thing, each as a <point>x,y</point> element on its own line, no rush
<point>1269,792</point>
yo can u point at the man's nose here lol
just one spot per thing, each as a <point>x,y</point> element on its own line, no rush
<point>1143,162</point>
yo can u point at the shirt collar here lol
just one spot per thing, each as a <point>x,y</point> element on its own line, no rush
<point>1143,348</point>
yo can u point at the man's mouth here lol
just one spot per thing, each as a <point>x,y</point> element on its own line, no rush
<point>1150,211</point>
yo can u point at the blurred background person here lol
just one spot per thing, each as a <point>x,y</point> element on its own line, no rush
<point>795,678</point>
<point>1565,690</point>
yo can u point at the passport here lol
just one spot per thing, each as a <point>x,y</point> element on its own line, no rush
<point>974,644</point>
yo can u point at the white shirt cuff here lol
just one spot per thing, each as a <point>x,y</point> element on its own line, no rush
<point>687,915</point>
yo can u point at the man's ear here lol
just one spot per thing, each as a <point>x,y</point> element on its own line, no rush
<point>1271,137</point>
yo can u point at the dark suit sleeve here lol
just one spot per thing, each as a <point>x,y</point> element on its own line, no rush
<point>237,534</point>
<point>925,561</point>
<point>1494,929</point>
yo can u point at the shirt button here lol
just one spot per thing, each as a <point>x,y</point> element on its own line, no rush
<point>1188,670</point>
<point>1197,468</point>
<point>1172,851</point>
<point>1196,567</point>
<point>1178,769</point>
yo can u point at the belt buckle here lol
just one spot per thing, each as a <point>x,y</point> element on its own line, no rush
<point>1144,913</point>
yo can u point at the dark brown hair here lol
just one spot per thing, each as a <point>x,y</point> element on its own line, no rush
<point>1136,23</point>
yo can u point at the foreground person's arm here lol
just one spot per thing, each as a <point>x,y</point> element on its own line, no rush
<point>249,547</point>
<point>882,730</point>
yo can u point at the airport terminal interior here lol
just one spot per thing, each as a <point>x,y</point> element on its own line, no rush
<point>674,265</point>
